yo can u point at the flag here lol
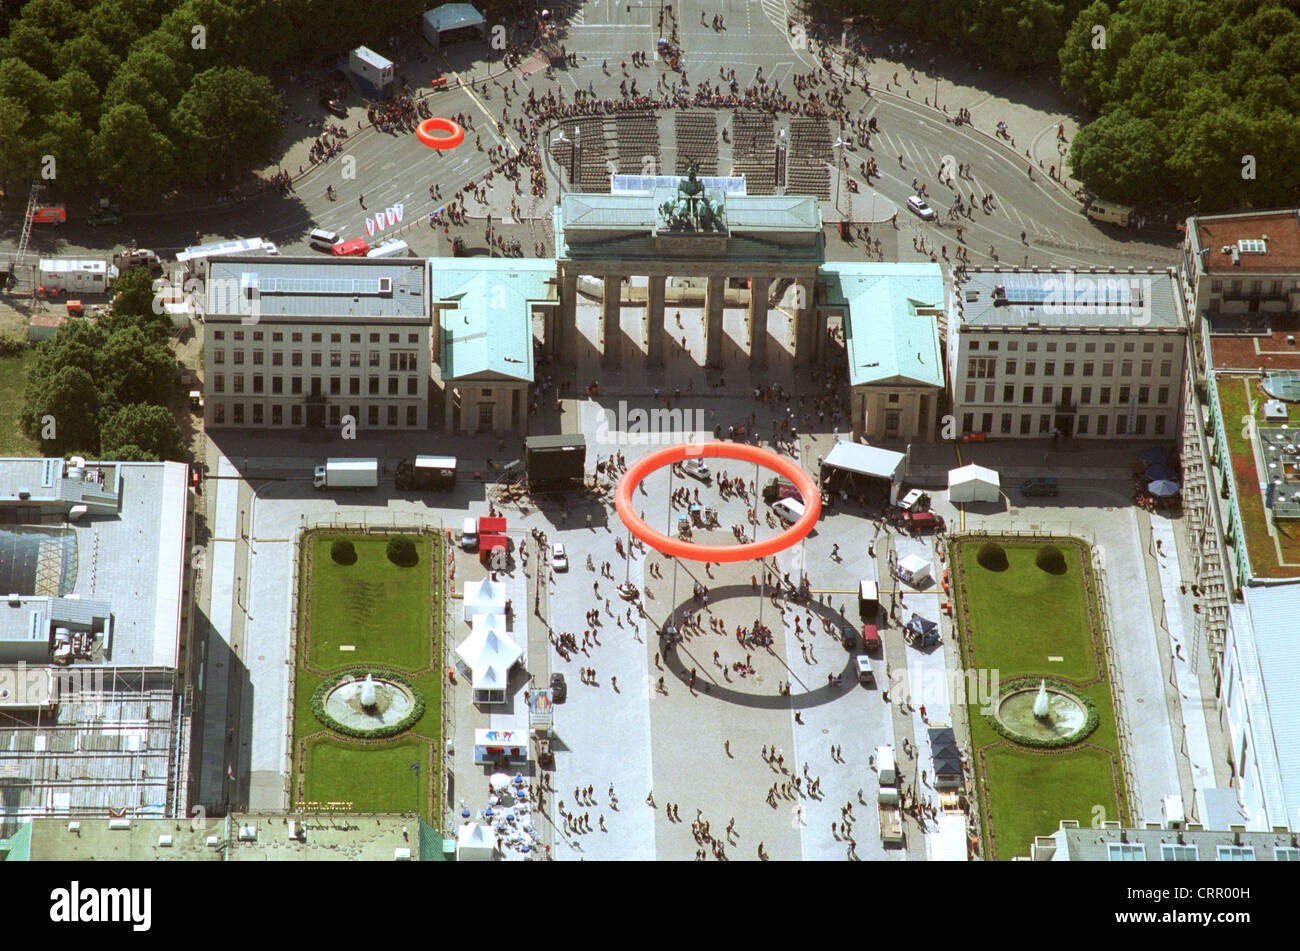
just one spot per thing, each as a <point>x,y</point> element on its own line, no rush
<point>379,221</point>
<point>391,214</point>
<point>399,208</point>
<point>370,226</point>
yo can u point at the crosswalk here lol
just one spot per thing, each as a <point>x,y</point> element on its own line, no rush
<point>775,11</point>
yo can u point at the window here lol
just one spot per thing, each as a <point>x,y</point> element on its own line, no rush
<point>1169,347</point>
<point>1081,426</point>
<point>373,386</point>
<point>1166,368</point>
<point>315,338</point>
<point>1126,852</point>
<point>412,338</point>
<point>1126,368</point>
<point>1102,423</point>
<point>1110,348</point>
<point>372,415</point>
<point>413,389</point>
<point>1026,422</point>
<point>295,415</point>
<point>374,338</point>
<point>374,358</point>
<point>239,414</point>
<point>392,386</point>
<point>1047,395</point>
<point>974,345</point>
<point>277,358</point>
<point>1121,425</point>
<point>1026,394</point>
<point>1011,368</point>
<point>277,337</point>
<point>1123,395</point>
<point>355,412</point>
<point>219,383</point>
<point>336,338</point>
<point>336,358</point>
<point>1128,346</point>
<point>392,415</point>
<point>892,398</point>
<point>1013,345</point>
<point>315,358</point>
<point>977,368</point>
<point>1145,370</point>
<point>986,423</point>
<point>257,383</point>
<point>354,386</point>
<point>258,335</point>
<point>257,414</point>
<point>967,421</point>
<point>1089,348</point>
<point>354,338</point>
<point>1049,368</point>
<point>1088,367</point>
<point>407,360</point>
<point>1105,396</point>
<point>239,383</point>
<point>218,356</point>
<point>1140,424</point>
<point>295,358</point>
<point>336,415</point>
<point>1160,425</point>
<point>1070,347</point>
<point>1069,368</point>
<point>1286,853</point>
<point>336,386</point>
<point>1067,396</point>
<point>354,358</point>
<point>1148,347</point>
<point>1144,395</point>
<point>412,416</point>
<point>277,414</point>
<point>1006,424</point>
<point>238,356</point>
<point>295,337</point>
<point>1085,395</point>
<point>1236,853</point>
<point>1045,423</point>
<point>218,335</point>
<point>277,385</point>
<point>237,335</point>
<point>989,392</point>
<point>1032,346</point>
<point>1051,347</point>
<point>219,413</point>
<point>1031,367</point>
<point>485,415</point>
<point>394,338</point>
<point>295,385</point>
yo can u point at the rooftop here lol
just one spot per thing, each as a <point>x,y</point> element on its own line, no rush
<point>1256,242</point>
<point>1275,699</point>
<point>347,289</point>
<point>1014,299</point>
<point>1111,843</point>
<point>1269,344</point>
<point>487,325</point>
<point>892,325</point>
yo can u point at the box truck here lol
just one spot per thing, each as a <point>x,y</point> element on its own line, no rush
<point>891,817</point>
<point>347,474</point>
<point>74,276</point>
<point>437,473</point>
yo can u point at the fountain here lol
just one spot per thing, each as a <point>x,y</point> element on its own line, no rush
<point>1049,715</point>
<point>370,696</point>
<point>1042,706</point>
<point>369,706</point>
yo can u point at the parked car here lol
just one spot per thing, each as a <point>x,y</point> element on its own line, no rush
<point>105,217</point>
<point>559,559</point>
<point>49,215</point>
<point>334,107</point>
<point>698,469</point>
<point>922,522</point>
<point>1039,485</point>
<point>559,689</point>
<point>355,248</point>
<point>921,208</point>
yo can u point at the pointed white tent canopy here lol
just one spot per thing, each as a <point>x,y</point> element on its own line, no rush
<point>489,653</point>
<point>476,842</point>
<point>484,597</point>
<point>973,483</point>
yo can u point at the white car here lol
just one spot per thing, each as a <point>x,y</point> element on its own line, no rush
<point>919,207</point>
<point>559,560</point>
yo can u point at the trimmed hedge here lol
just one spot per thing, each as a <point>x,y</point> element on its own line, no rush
<point>1078,736</point>
<point>343,552</point>
<point>992,557</point>
<point>359,673</point>
<point>401,551</point>
<point>1052,560</point>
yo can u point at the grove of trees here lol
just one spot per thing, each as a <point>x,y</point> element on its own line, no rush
<point>141,97</point>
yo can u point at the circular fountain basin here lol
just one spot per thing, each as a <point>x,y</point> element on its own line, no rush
<point>1066,715</point>
<point>393,703</point>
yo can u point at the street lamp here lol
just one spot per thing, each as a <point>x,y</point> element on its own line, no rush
<point>839,167</point>
<point>780,149</point>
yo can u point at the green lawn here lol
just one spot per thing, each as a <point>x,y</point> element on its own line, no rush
<point>1025,615</point>
<point>13,384</point>
<point>387,612</point>
<point>1017,619</point>
<point>379,608</point>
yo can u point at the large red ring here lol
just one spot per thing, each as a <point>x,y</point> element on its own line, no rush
<point>455,135</point>
<point>690,551</point>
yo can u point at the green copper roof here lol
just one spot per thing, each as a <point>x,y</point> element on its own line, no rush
<point>889,332</point>
<point>489,333</point>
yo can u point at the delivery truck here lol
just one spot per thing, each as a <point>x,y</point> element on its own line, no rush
<point>891,817</point>
<point>347,474</point>
<point>60,276</point>
<point>430,473</point>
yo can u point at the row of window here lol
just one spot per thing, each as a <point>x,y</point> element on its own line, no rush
<point>1188,852</point>
<point>258,383</point>
<point>985,368</point>
<point>397,359</point>
<point>256,414</point>
<point>1047,393</point>
<point>1272,288</point>
<point>1049,346</point>
<point>1099,425</point>
<point>257,336</point>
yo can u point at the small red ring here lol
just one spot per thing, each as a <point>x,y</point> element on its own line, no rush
<point>455,135</point>
<point>690,551</point>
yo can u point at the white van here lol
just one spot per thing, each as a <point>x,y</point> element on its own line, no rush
<point>886,771</point>
<point>788,510</point>
<point>469,534</point>
<point>323,239</point>
<point>1110,213</point>
<point>390,249</point>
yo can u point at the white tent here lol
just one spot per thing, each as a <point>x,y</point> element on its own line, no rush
<point>476,843</point>
<point>489,653</point>
<point>484,597</point>
<point>915,570</point>
<point>973,483</point>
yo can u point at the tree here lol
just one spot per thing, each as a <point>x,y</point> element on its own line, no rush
<point>18,151</point>
<point>76,344</point>
<point>133,295</point>
<point>228,120</point>
<point>69,400</point>
<point>1120,155</point>
<point>134,367</point>
<point>131,154</point>
<point>68,140</point>
<point>148,431</point>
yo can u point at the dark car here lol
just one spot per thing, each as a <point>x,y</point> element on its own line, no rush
<point>333,106</point>
<point>559,689</point>
<point>104,217</point>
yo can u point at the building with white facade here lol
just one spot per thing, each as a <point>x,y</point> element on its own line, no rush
<point>1033,354</point>
<point>299,343</point>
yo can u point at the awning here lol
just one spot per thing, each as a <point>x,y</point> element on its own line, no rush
<point>864,460</point>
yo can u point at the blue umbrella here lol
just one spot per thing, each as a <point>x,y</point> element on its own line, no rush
<point>1161,471</point>
<point>464,813</point>
<point>1157,454</point>
<point>1163,488</point>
